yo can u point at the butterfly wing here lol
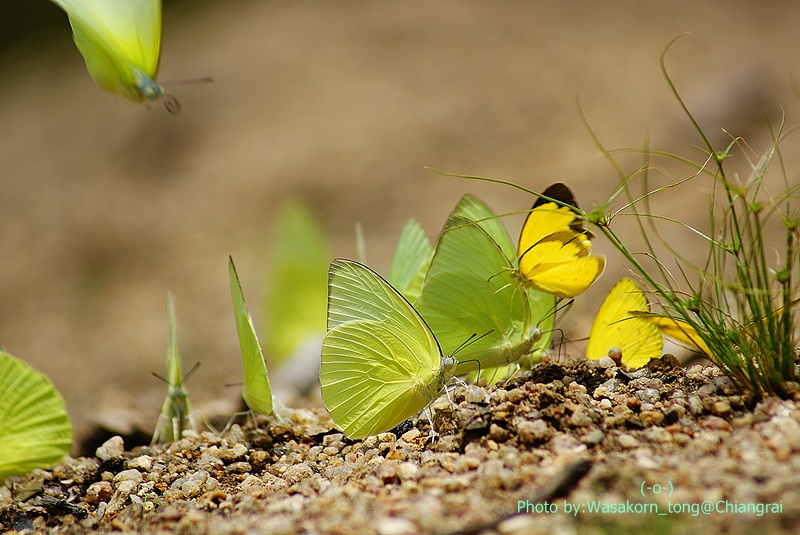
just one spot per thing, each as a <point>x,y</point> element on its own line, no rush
<point>542,304</point>
<point>410,261</point>
<point>469,290</point>
<point>35,431</point>
<point>474,209</point>
<point>677,330</point>
<point>561,264</point>
<point>120,41</point>
<point>298,291</point>
<point>615,327</point>
<point>256,391</point>
<point>381,364</point>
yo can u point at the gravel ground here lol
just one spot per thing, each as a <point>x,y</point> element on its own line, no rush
<point>584,446</point>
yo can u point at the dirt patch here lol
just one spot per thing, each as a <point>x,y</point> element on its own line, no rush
<point>584,444</point>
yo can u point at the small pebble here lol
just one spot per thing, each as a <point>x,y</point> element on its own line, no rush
<point>241,467</point>
<point>128,475</point>
<point>721,408</point>
<point>100,491</point>
<point>579,418</point>
<point>395,526</point>
<point>696,405</point>
<point>532,432</point>
<point>194,485</point>
<point>648,395</point>
<point>143,463</point>
<point>628,441</point>
<point>593,437</point>
<point>233,454</point>
<point>408,471</point>
<point>113,448</point>
<point>497,433</point>
<point>297,473</point>
<point>649,418</point>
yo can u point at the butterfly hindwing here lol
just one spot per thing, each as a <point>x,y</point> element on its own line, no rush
<point>615,328</point>
<point>35,430</point>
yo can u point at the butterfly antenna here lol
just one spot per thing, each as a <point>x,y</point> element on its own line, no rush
<point>172,105</point>
<point>191,371</point>
<point>471,340</point>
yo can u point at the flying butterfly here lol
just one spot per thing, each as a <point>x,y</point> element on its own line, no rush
<point>120,41</point>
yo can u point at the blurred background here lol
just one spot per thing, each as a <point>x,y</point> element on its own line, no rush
<point>105,206</point>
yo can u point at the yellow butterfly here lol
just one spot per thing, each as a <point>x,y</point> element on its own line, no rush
<point>619,333</point>
<point>686,334</point>
<point>120,40</point>
<point>554,249</point>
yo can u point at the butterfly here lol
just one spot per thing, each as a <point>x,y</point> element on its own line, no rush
<point>295,305</point>
<point>256,391</point>
<point>411,260</point>
<point>35,431</point>
<point>470,288</point>
<point>554,249</point>
<point>381,363</point>
<point>619,333</point>
<point>120,41</point>
<point>175,413</point>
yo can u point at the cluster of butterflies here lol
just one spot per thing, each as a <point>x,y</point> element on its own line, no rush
<point>490,305</point>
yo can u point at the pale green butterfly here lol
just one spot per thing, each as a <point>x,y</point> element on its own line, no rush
<point>411,260</point>
<point>471,287</point>
<point>175,416</point>
<point>35,431</point>
<point>120,41</point>
<point>256,391</point>
<point>296,295</point>
<point>381,364</point>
